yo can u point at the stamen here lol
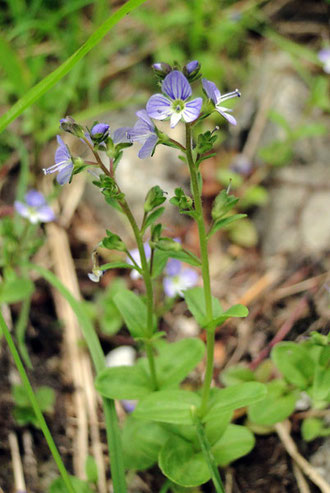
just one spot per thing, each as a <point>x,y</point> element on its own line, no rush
<point>55,167</point>
<point>229,95</point>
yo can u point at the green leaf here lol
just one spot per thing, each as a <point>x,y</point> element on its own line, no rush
<point>185,256</point>
<point>168,406</point>
<point>14,290</point>
<point>195,300</point>
<point>236,374</point>
<point>321,384</point>
<point>294,362</point>
<point>80,486</point>
<point>234,443</point>
<point>180,463</point>
<point>91,469</point>
<point>133,311</point>
<point>159,263</point>
<point>275,407</point>
<point>148,438</point>
<point>224,222</point>
<point>237,311</point>
<point>254,196</point>
<point>243,233</point>
<point>234,397</point>
<point>48,82</point>
<point>176,360</point>
<point>124,382</point>
<point>311,428</point>
<point>153,217</point>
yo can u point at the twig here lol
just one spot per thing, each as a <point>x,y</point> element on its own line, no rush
<point>17,463</point>
<point>30,463</point>
<point>305,466</point>
<point>301,481</point>
<point>229,481</point>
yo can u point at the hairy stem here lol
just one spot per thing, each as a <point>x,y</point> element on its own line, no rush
<point>205,268</point>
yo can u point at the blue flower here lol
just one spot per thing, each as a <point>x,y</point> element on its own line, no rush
<point>144,131</point>
<point>191,66</point>
<point>63,163</point>
<point>178,279</point>
<point>174,104</point>
<point>35,208</point>
<point>100,131</point>
<point>213,93</point>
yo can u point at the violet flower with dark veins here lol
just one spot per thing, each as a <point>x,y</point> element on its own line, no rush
<point>213,93</point>
<point>144,131</point>
<point>35,208</point>
<point>63,163</point>
<point>173,103</point>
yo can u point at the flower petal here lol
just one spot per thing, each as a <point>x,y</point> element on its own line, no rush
<point>211,90</point>
<point>192,110</point>
<point>121,135</point>
<point>21,208</point>
<point>158,107</point>
<point>169,287</point>
<point>143,115</point>
<point>65,174</point>
<point>33,198</point>
<point>173,267</point>
<point>148,147</point>
<point>224,112</point>
<point>176,86</point>
<point>45,214</point>
<point>175,118</point>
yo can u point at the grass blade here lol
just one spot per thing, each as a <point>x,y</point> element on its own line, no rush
<point>50,80</point>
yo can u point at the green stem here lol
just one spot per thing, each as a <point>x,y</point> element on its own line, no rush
<point>207,452</point>
<point>35,405</point>
<point>149,289</point>
<point>96,352</point>
<point>145,270</point>
<point>205,268</point>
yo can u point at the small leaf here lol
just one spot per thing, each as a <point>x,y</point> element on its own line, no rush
<point>236,374</point>
<point>234,397</point>
<point>311,428</point>
<point>237,311</point>
<point>185,256</point>
<point>227,176</point>
<point>176,360</point>
<point>148,438</point>
<point>243,233</point>
<point>195,300</point>
<point>275,407</point>
<point>168,406</point>
<point>133,311</point>
<point>14,290</point>
<point>180,463</point>
<point>234,443</point>
<point>224,222</point>
<point>294,362</point>
<point>153,217</point>
<point>123,382</point>
<point>254,196</point>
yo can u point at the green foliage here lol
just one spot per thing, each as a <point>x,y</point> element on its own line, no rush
<point>113,242</point>
<point>173,363</point>
<point>195,300</point>
<point>134,312</point>
<point>15,289</point>
<point>79,486</point>
<point>243,233</point>
<point>276,406</point>
<point>106,312</point>
<point>313,428</point>
<point>91,469</point>
<point>23,410</point>
<point>154,198</point>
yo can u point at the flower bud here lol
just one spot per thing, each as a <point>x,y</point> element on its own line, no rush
<point>168,245</point>
<point>161,69</point>
<point>223,203</point>
<point>191,70</point>
<point>154,198</point>
<point>113,242</point>
<point>68,124</point>
<point>99,132</point>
